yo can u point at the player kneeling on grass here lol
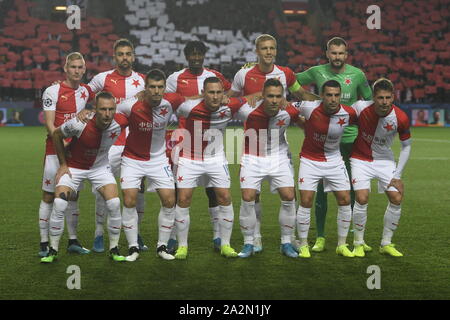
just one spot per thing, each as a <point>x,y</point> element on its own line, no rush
<point>372,158</point>
<point>87,158</point>
<point>321,159</point>
<point>267,156</point>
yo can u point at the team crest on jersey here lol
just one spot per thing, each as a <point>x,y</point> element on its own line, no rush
<point>348,81</point>
<point>48,102</point>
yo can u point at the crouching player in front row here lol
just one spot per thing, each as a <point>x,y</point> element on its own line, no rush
<point>87,158</point>
<point>372,158</point>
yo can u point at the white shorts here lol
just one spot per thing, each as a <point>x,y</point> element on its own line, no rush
<point>333,173</point>
<point>51,166</point>
<point>98,177</point>
<point>157,171</point>
<point>278,171</point>
<point>115,159</point>
<point>364,171</point>
<point>211,173</point>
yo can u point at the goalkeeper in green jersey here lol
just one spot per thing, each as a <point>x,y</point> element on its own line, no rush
<point>354,86</point>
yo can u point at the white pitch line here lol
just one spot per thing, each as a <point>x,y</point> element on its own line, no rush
<point>431,140</point>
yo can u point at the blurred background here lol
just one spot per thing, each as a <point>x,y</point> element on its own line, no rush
<point>411,48</point>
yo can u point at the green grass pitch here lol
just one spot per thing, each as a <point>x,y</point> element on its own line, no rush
<point>423,237</point>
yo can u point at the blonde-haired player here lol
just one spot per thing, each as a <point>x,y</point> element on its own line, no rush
<point>60,103</point>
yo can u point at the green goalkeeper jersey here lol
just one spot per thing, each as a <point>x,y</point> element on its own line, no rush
<point>353,83</point>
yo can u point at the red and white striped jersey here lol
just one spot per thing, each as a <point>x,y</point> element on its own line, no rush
<point>90,145</point>
<point>323,132</point>
<point>376,134</point>
<point>264,134</point>
<point>188,84</point>
<point>205,128</point>
<point>121,87</point>
<point>251,80</point>
<point>147,125</point>
<point>66,102</point>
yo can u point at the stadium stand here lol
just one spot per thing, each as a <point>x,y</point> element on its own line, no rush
<point>34,49</point>
<point>162,29</point>
<point>416,60</point>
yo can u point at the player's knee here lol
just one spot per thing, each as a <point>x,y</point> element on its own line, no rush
<point>48,197</point>
<point>396,198</point>
<point>129,201</point>
<point>224,199</point>
<point>287,196</point>
<point>168,202</point>
<point>248,197</point>
<point>113,205</point>
<point>344,200</point>
<point>362,199</point>
<point>183,201</point>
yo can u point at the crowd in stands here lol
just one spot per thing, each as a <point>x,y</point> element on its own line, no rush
<point>415,59</point>
<point>411,48</point>
<point>162,28</point>
<point>33,50</point>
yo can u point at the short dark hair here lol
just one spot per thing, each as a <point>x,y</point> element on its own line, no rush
<point>331,84</point>
<point>383,84</point>
<point>195,46</point>
<point>336,41</point>
<point>273,82</point>
<point>156,75</point>
<point>123,43</point>
<point>211,80</point>
<point>104,95</point>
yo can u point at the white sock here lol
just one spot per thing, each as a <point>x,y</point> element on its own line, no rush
<point>214,214</point>
<point>45,210</point>
<point>72,214</point>
<point>165,223</point>
<point>247,220</point>
<point>140,207</point>
<point>391,220</point>
<point>303,222</point>
<point>226,218</point>
<point>100,213</point>
<point>286,219</point>
<point>359,222</point>
<point>129,223</point>
<point>182,222</point>
<point>57,222</point>
<point>114,221</point>
<point>344,218</point>
<point>258,212</point>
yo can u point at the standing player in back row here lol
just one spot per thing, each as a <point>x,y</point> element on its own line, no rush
<point>249,81</point>
<point>372,158</point>
<point>123,83</point>
<point>353,85</point>
<point>188,82</point>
